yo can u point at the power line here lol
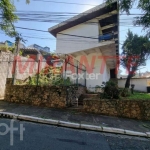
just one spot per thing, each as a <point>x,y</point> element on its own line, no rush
<point>65,13</point>
<point>77,36</point>
<point>63,2</point>
<point>30,29</point>
<point>58,33</point>
<point>66,39</point>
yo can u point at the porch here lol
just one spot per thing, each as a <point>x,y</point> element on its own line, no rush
<point>100,62</point>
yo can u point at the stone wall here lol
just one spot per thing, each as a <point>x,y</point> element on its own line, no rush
<point>49,96</point>
<point>137,109</point>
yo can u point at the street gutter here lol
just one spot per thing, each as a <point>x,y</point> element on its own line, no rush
<point>73,125</point>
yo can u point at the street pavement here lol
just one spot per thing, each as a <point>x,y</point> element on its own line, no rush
<point>76,116</point>
<point>47,137</point>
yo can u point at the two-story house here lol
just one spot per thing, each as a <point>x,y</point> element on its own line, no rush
<point>92,38</point>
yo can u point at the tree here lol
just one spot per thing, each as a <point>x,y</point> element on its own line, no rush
<point>136,50</point>
<point>8,17</point>
<point>143,5</point>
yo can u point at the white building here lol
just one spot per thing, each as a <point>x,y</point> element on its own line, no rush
<point>92,38</point>
<point>40,48</point>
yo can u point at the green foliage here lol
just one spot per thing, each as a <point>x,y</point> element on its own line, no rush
<point>111,90</point>
<point>7,48</point>
<point>32,81</point>
<point>11,49</point>
<point>136,50</point>
<point>62,81</point>
<point>125,92</point>
<point>8,17</point>
<point>49,76</point>
<point>139,95</point>
<point>27,1</point>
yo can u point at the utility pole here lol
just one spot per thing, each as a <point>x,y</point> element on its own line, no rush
<point>16,53</point>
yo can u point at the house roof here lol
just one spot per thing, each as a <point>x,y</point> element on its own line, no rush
<point>83,17</point>
<point>29,51</point>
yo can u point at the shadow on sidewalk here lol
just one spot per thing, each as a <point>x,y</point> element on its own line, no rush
<point>76,116</point>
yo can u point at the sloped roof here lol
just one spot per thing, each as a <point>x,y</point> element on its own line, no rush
<point>83,17</point>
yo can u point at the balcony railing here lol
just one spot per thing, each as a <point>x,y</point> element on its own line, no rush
<point>106,37</point>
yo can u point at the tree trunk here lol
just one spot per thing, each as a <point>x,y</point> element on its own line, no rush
<point>127,84</point>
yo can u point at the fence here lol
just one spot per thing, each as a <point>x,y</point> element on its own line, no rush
<point>50,71</point>
<point>62,71</point>
<point>74,70</point>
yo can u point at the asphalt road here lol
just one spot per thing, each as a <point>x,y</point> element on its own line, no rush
<point>46,137</point>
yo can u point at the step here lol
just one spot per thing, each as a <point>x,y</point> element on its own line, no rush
<point>89,95</point>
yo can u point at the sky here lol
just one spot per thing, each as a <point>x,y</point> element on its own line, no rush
<point>48,39</point>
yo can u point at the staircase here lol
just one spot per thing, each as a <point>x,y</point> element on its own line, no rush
<point>87,95</point>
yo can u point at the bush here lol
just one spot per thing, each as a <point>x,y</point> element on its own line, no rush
<point>62,81</point>
<point>125,92</point>
<point>111,90</point>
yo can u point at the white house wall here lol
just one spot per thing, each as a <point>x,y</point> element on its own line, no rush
<point>68,44</point>
<point>101,76</point>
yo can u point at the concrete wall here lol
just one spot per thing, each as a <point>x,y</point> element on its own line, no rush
<point>25,67</point>
<point>140,84</point>
<point>5,68</point>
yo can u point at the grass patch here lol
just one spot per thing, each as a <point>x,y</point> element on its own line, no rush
<point>139,95</point>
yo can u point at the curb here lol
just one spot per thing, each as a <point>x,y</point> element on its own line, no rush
<point>74,125</point>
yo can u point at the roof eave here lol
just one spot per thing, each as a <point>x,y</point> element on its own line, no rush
<point>83,17</point>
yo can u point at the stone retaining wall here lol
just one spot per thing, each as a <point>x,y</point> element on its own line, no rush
<point>49,96</point>
<point>137,109</point>
<point>36,95</point>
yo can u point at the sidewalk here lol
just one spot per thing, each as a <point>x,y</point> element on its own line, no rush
<point>74,116</point>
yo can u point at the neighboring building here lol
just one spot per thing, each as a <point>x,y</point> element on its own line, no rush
<point>145,74</point>
<point>10,44</point>
<point>142,74</point>
<point>2,44</point>
<point>93,34</point>
<point>44,49</point>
